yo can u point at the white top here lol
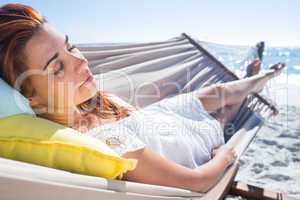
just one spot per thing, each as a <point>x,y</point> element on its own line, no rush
<point>178,128</point>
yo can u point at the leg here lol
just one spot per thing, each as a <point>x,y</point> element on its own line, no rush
<point>227,114</point>
<point>231,93</point>
<point>218,96</point>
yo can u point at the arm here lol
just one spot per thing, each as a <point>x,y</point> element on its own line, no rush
<point>155,169</point>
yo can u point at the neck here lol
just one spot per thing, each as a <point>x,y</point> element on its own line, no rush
<point>66,116</point>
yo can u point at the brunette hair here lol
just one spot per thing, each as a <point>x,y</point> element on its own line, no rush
<point>18,23</point>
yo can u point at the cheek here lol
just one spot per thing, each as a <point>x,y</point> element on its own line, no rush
<point>40,86</point>
<point>63,93</point>
<point>65,90</point>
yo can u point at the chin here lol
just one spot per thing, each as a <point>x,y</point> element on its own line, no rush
<point>86,93</point>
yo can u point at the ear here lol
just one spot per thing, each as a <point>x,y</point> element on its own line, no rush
<point>36,103</point>
<point>33,101</point>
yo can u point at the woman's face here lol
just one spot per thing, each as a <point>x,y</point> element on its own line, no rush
<point>58,73</point>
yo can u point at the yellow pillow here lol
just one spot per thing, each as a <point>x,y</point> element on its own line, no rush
<point>40,141</point>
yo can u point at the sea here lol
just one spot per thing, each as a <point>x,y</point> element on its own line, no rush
<point>272,161</point>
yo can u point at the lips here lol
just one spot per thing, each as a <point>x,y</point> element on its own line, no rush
<point>88,79</point>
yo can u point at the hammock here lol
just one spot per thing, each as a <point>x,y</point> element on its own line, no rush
<point>141,73</point>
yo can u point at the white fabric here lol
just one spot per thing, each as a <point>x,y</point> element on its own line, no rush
<point>178,128</point>
<point>146,73</point>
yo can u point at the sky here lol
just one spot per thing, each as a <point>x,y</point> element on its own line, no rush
<point>228,22</point>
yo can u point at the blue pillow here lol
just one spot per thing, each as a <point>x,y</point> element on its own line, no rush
<point>12,102</point>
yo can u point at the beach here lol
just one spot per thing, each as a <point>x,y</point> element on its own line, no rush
<point>272,160</point>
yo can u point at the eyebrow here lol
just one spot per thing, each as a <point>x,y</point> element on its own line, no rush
<point>56,54</point>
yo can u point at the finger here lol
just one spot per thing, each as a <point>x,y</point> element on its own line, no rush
<point>213,152</point>
<point>230,147</point>
<point>214,149</point>
<point>235,155</point>
<point>231,161</point>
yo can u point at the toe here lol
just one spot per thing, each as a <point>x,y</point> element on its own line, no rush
<point>276,69</point>
<point>278,66</point>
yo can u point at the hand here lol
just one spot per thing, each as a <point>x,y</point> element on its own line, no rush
<point>225,154</point>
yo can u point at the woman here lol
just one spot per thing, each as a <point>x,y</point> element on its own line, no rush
<point>42,64</point>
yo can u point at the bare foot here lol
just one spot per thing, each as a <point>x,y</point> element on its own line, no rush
<point>275,70</point>
<point>253,68</point>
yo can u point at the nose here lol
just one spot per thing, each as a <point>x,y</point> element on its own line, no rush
<point>79,62</point>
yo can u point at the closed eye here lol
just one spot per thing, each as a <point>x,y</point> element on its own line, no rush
<point>72,47</point>
<point>61,67</point>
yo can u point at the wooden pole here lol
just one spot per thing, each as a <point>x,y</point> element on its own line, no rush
<point>254,192</point>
